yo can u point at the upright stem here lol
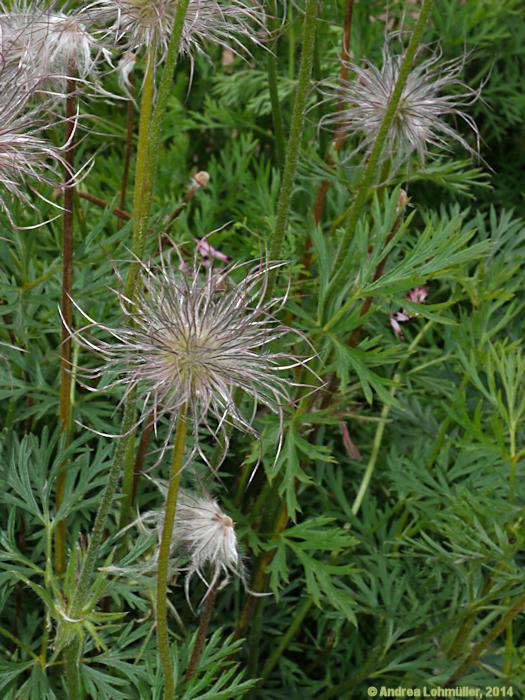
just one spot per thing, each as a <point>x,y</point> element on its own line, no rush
<point>152,145</point>
<point>80,598</point>
<point>273,86</point>
<point>67,315</point>
<point>147,154</point>
<point>149,146</point>
<point>339,137</point>
<point>164,556</point>
<point>372,165</point>
<point>127,154</point>
<point>296,134</point>
<point>140,206</point>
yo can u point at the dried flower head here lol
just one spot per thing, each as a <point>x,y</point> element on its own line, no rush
<point>47,42</point>
<point>192,339</point>
<point>26,158</point>
<point>432,92</point>
<point>228,23</point>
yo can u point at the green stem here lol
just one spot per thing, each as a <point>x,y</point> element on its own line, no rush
<point>277,116</point>
<point>483,644</point>
<point>369,174</point>
<point>67,314</point>
<point>295,137</point>
<point>365,482</point>
<point>292,630</point>
<point>140,215</point>
<point>72,670</point>
<point>164,556</point>
<point>154,137</point>
<point>149,147</point>
<point>81,594</point>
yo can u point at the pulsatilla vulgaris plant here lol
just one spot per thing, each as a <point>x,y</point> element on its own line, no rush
<point>339,438</point>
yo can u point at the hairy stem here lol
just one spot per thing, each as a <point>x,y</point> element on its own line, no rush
<point>147,158</point>
<point>140,210</point>
<point>67,316</point>
<point>277,116</point>
<point>164,556</point>
<point>370,170</point>
<point>130,127</point>
<point>295,136</point>
<point>72,670</point>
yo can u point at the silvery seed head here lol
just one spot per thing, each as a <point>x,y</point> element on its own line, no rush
<point>200,340</point>
<point>47,42</point>
<point>227,23</point>
<point>432,93</point>
<point>26,158</point>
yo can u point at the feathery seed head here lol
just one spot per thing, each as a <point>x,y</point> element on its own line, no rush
<point>193,338</point>
<point>227,23</point>
<point>205,536</point>
<point>25,156</point>
<point>203,542</point>
<point>47,42</point>
<point>426,101</point>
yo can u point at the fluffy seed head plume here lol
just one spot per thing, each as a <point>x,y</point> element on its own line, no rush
<point>191,338</point>
<point>204,536</point>
<point>45,41</point>
<point>228,23</point>
<point>26,158</point>
<point>204,542</point>
<point>433,91</point>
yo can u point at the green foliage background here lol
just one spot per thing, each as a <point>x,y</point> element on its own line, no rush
<point>397,592</point>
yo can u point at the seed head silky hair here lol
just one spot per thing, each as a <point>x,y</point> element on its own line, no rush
<point>204,543</point>
<point>433,92</point>
<point>231,24</point>
<point>49,41</point>
<point>197,339</point>
<point>26,158</point>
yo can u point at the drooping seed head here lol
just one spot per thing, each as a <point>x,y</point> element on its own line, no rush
<point>193,339</point>
<point>432,93</point>
<point>204,540</point>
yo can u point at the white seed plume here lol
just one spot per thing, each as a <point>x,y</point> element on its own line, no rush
<point>204,542</point>
<point>47,42</point>
<point>433,91</point>
<point>26,158</point>
<point>228,23</point>
<point>194,338</point>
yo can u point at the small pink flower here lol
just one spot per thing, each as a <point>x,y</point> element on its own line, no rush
<point>208,251</point>
<point>397,318</point>
<point>418,295</point>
